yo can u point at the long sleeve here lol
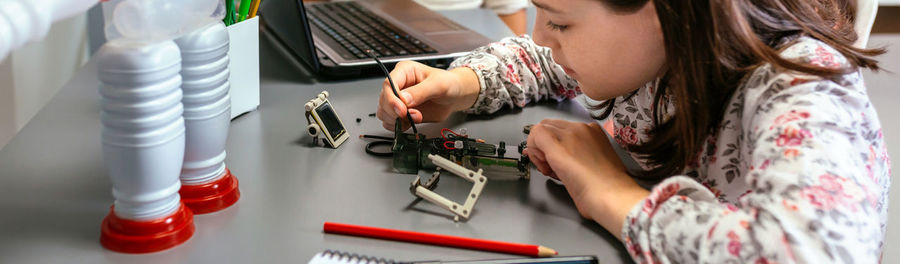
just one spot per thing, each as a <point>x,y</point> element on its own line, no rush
<point>27,21</point>
<point>501,7</point>
<point>798,172</point>
<point>514,72</point>
<point>505,7</point>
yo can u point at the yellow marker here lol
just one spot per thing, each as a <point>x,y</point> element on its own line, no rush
<point>254,7</point>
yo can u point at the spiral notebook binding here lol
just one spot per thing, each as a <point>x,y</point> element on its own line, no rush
<point>344,257</point>
<point>334,256</point>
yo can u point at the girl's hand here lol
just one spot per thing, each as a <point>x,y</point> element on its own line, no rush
<point>580,155</point>
<point>430,93</point>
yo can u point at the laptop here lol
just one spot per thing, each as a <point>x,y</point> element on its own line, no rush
<point>332,38</point>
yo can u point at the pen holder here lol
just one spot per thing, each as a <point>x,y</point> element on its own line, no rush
<point>244,66</point>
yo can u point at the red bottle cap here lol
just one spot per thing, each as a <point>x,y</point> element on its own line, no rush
<point>129,236</point>
<point>213,196</point>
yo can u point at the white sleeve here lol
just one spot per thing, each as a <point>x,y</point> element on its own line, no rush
<point>505,7</point>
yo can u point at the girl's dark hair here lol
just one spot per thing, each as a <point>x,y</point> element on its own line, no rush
<point>712,45</point>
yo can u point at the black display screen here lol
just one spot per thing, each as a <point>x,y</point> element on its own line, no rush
<point>330,120</point>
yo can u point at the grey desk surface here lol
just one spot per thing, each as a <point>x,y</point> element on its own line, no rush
<point>54,191</point>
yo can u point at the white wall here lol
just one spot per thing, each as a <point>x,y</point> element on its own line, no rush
<point>884,93</point>
<point>31,75</point>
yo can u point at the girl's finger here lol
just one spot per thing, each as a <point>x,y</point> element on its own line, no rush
<point>542,167</point>
<point>392,104</point>
<point>558,123</point>
<point>416,115</point>
<point>553,175</point>
<point>537,157</point>
<point>546,138</point>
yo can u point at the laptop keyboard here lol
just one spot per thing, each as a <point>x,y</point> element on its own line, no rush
<point>358,30</point>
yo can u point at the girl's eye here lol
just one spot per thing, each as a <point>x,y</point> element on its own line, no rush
<point>557,27</point>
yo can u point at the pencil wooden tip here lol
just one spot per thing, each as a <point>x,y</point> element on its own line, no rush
<point>546,252</point>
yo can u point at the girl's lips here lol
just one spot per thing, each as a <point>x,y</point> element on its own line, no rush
<point>568,71</point>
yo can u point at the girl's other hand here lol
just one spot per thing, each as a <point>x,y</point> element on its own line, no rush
<point>431,94</point>
<point>581,156</point>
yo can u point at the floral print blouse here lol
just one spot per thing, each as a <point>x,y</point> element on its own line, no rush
<point>797,171</point>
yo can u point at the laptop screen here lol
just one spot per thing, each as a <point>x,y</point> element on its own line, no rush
<point>287,19</point>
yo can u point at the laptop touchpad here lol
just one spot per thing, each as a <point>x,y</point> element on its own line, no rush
<point>433,26</point>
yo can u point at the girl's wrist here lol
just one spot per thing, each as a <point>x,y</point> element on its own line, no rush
<point>469,87</point>
<point>614,205</point>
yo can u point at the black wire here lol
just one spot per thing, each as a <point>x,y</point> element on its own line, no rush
<point>382,141</point>
<point>378,137</point>
<point>393,89</point>
<point>371,146</point>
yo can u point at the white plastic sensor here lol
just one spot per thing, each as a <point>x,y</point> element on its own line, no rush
<point>324,121</point>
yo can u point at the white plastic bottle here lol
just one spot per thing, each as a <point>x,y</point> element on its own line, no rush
<point>207,185</point>
<point>26,21</point>
<point>143,145</point>
<point>143,124</point>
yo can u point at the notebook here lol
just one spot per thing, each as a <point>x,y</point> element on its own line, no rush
<point>332,37</point>
<point>338,257</point>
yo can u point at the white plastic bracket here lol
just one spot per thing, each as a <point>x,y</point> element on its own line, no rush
<point>461,210</point>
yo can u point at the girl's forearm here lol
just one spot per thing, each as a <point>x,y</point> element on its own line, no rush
<point>517,22</point>
<point>614,205</point>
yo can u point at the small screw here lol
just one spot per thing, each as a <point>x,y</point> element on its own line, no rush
<point>358,120</point>
<point>527,129</point>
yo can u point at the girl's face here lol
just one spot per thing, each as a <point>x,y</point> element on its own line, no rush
<point>609,52</point>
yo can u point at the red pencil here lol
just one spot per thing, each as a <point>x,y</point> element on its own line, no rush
<point>439,240</point>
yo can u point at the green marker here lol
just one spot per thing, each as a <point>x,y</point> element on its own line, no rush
<point>229,12</point>
<point>245,10</point>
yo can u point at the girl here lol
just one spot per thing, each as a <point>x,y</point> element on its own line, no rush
<point>752,113</point>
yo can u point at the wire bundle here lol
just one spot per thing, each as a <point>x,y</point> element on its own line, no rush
<point>450,138</point>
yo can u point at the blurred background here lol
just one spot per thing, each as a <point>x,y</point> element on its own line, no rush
<point>31,76</point>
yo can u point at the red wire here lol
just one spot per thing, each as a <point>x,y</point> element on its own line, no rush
<point>451,132</point>
<point>445,145</point>
<point>444,136</point>
<point>442,133</point>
